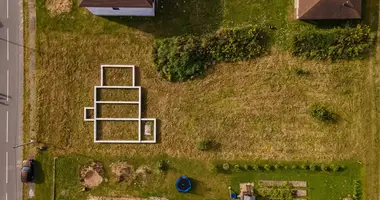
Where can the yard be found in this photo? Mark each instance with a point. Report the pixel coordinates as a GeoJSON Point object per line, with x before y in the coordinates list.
{"type": "Point", "coordinates": [254, 110]}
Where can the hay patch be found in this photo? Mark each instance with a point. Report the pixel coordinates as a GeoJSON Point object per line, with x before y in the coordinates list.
{"type": "Point", "coordinates": [123, 172]}
{"type": "Point", "coordinates": [57, 7]}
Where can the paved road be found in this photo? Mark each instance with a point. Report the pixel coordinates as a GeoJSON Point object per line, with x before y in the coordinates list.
{"type": "Point", "coordinates": [11, 80]}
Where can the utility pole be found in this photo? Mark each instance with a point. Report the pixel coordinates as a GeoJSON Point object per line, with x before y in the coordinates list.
{"type": "Point", "coordinates": [31, 142]}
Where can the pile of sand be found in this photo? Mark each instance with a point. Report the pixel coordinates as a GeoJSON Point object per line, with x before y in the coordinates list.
{"type": "Point", "coordinates": [90, 175]}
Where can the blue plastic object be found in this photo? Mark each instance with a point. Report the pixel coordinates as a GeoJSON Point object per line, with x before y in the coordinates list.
{"type": "Point", "coordinates": [183, 184]}
{"type": "Point", "coordinates": [233, 196]}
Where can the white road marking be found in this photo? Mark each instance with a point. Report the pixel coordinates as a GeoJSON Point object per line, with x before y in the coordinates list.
{"type": "Point", "coordinates": [6, 196]}
{"type": "Point", "coordinates": [7, 128]}
{"type": "Point", "coordinates": [7, 43]}
{"type": "Point", "coordinates": [7, 9]}
{"type": "Point", "coordinates": [7, 85]}
{"type": "Point", "coordinates": [6, 167]}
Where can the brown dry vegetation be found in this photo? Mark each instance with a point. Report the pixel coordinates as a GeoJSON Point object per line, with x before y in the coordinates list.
{"type": "Point", "coordinates": [56, 7]}
{"type": "Point", "coordinates": [260, 104]}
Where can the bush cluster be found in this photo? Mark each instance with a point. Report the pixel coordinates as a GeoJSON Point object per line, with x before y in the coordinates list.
{"type": "Point", "coordinates": [204, 145]}
{"type": "Point", "coordinates": [321, 113]}
{"type": "Point", "coordinates": [162, 165]}
{"type": "Point", "coordinates": [235, 44]}
{"type": "Point", "coordinates": [338, 43]}
{"type": "Point", "coordinates": [179, 58]}
{"type": "Point", "coordinates": [185, 57]}
{"type": "Point", "coordinates": [269, 167]}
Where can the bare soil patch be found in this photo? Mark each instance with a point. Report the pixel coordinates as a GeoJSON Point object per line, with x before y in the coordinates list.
{"type": "Point", "coordinates": [57, 7]}
{"type": "Point", "coordinates": [122, 171]}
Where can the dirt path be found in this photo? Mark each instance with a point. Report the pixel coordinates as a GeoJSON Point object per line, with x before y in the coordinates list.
{"type": "Point", "coordinates": [31, 65]}
{"type": "Point", "coordinates": [30, 84]}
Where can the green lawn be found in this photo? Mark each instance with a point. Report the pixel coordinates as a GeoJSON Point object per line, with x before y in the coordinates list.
{"type": "Point", "coordinates": [253, 110]}
{"type": "Point", "coordinates": [207, 184]}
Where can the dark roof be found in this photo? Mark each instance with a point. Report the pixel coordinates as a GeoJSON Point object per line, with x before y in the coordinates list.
{"type": "Point", "coordinates": [328, 9]}
{"type": "Point", "coordinates": [116, 3]}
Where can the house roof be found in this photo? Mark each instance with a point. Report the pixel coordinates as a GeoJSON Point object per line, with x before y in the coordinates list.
{"type": "Point", "coordinates": [328, 9]}
{"type": "Point", "coordinates": [116, 3]}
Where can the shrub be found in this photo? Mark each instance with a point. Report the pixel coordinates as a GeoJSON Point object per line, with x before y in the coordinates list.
{"type": "Point", "coordinates": [324, 168]}
{"type": "Point", "coordinates": [204, 145]}
{"type": "Point", "coordinates": [185, 57]}
{"type": "Point", "coordinates": [286, 167]}
{"type": "Point", "coordinates": [247, 167]}
{"type": "Point", "coordinates": [162, 165]}
{"type": "Point", "coordinates": [339, 43]}
{"type": "Point", "coordinates": [215, 168]}
{"type": "Point", "coordinates": [312, 167]}
{"type": "Point", "coordinates": [334, 167]}
{"type": "Point", "coordinates": [226, 166]}
{"type": "Point", "coordinates": [267, 167]}
{"type": "Point", "coordinates": [321, 113]}
{"type": "Point", "coordinates": [255, 167]}
{"type": "Point", "coordinates": [178, 58]}
{"type": "Point", "coordinates": [357, 194]}
{"type": "Point", "coordinates": [277, 166]}
{"type": "Point", "coordinates": [237, 167]}
{"type": "Point", "coordinates": [304, 166]}
{"type": "Point", "coordinates": [236, 44]}
{"type": "Point", "coordinates": [300, 71]}
{"type": "Point", "coordinates": [294, 166]}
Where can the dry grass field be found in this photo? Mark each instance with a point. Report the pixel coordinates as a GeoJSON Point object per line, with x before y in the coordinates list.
{"type": "Point", "coordinates": [252, 110]}
{"type": "Point", "coordinates": [262, 104]}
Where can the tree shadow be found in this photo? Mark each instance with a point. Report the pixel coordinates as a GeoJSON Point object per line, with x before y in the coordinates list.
{"type": "Point", "coordinates": [196, 186]}
{"type": "Point", "coordinates": [329, 24]}
{"type": "Point", "coordinates": [158, 129]}
{"type": "Point", "coordinates": [39, 174]}
{"type": "Point", "coordinates": [173, 18]}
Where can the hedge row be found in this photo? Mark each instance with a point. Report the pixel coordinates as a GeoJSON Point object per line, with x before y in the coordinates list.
{"type": "Point", "coordinates": [185, 57]}
{"type": "Point", "coordinates": [339, 43]}
{"type": "Point", "coordinates": [357, 195]}
{"type": "Point", "coordinates": [269, 167]}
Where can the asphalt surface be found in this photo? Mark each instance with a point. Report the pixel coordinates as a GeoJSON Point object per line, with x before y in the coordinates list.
{"type": "Point", "coordinates": [11, 81]}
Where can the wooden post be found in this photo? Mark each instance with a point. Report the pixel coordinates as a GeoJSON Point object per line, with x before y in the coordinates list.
{"type": "Point", "coordinates": [54, 179]}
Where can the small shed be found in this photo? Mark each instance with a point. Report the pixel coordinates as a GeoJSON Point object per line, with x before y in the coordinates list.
{"type": "Point", "coordinates": [119, 7]}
